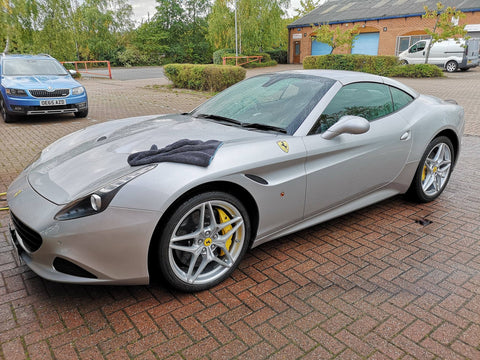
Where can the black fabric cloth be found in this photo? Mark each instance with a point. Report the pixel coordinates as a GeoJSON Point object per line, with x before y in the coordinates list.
{"type": "Point", "coordinates": [185, 151]}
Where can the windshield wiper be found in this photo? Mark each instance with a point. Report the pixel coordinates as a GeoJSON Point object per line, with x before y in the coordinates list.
{"type": "Point", "coordinates": [218, 117]}
{"type": "Point", "coordinates": [264, 127]}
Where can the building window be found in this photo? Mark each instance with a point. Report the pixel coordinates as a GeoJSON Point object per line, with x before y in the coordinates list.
{"type": "Point", "coordinates": [404, 42]}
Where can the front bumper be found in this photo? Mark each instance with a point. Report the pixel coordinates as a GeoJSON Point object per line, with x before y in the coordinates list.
{"type": "Point", "coordinates": [108, 248]}
{"type": "Point", "coordinates": [31, 106]}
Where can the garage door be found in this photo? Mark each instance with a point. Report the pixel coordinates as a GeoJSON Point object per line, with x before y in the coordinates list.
{"type": "Point", "coordinates": [319, 48]}
{"type": "Point", "coordinates": [366, 44]}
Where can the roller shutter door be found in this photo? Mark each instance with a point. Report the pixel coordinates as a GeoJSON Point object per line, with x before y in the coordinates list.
{"type": "Point", "coordinates": [366, 44]}
{"type": "Point", "coordinates": [319, 48]}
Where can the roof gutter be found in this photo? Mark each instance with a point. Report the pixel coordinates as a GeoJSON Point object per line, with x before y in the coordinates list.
{"type": "Point", "coordinates": [291, 26]}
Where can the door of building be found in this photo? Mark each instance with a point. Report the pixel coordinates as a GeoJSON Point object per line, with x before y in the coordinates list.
{"type": "Point", "coordinates": [296, 52]}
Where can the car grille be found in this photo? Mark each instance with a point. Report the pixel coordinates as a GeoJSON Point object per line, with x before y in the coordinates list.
{"type": "Point", "coordinates": [30, 238]}
{"type": "Point", "coordinates": [49, 94]}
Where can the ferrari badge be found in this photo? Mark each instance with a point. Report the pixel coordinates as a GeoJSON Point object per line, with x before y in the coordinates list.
{"type": "Point", "coordinates": [283, 145]}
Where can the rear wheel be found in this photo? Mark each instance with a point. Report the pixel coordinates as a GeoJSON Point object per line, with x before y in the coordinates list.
{"type": "Point", "coordinates": [433, 171]}
{"type": "Point", "coordinates": [404, 62]}
{"type": "Point", "coordinates": [451, 66]}
{"type": "Point", "coordinates": [203, 241]}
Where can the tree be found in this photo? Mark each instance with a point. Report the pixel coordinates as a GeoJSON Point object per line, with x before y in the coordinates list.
{"type": "Point", "coordinates": [444, 22]}
{"type": "Point", "coordinates": [335, 37]}
{"type": "Point", "coordinates": [306, 6]}
{"type": "Point", "coordinates": [260, 24]}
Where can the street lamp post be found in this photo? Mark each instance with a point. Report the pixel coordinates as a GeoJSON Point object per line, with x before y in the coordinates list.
{"type": "Point", "coordinates": [236, 31]}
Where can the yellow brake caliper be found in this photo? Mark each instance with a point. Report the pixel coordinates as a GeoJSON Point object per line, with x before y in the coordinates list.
{"type": "Point", "coordinates": [223, 219]}
{"type": "Point", "coordinates": [424, 173]}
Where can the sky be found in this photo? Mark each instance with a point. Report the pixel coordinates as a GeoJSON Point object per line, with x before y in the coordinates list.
{"type": "Point", "coordinates": [142, 8]}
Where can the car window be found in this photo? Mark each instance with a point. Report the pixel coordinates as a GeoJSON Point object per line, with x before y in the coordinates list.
{"type": "Point", "coordinates": [400, 98]}
{"type": "Point", "coordinates": [418, 47]}
{"type": "Point", "coordinates": [367, 100]}
{"type": "Point", "coordinates": [278, 100]}
{"type": "Point", "coordinates": [22, 67]}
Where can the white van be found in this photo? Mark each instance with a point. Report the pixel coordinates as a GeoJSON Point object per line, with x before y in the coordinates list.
{"type": "Point", "coordinates": [451, 54]}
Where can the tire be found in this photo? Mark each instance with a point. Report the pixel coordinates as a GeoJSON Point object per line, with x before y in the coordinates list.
{"type": "Point", "coordinates": [451, 66]}
{"type": "Point", "coordinates": [403, 62]}
{"type": "Point", "coordinates": [194, 255]}
{"type": "Point", "coordinates": [434, 170]}
{"type": "Point", "coordinates": [81, 114]}
{"type": "Point", "coordinates": [7, 117]}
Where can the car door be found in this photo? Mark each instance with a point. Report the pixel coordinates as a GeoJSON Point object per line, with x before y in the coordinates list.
{"type": "Point", "coordinates": [348, 166]}
{"type": "Point", "coordinates": [416, 54]}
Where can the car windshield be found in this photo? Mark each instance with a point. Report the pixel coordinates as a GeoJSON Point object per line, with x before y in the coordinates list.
{"type": "Point", "coordinates": [275, 102]}
{"type": "Point", "coordinates": [21, 67]}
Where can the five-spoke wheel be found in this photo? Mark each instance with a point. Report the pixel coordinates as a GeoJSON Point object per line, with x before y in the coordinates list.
{"type": "Point", "coordinates": [434, 170]}
{"type": "Point", "coordinates": [203, 241]}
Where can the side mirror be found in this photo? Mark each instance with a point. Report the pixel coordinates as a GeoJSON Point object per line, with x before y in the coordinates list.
{"type": "Point", "coordinates": [72, 72]}
{"type": "Point", "coordinates": [347, 124]}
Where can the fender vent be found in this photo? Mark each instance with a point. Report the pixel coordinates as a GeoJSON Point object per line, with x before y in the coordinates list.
{"type": "Point", "coordinates": [257, 179]}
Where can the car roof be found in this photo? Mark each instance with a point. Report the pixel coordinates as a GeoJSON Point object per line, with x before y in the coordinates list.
{"type": "Point", "coordinates": [349, 77]}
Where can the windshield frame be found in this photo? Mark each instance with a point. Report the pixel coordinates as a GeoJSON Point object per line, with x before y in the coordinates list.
{"type": "Point", "coordinates": [294, 95]}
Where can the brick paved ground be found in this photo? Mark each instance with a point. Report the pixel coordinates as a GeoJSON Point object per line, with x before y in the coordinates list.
{"type": "Point", "coordinates": [373, 284]}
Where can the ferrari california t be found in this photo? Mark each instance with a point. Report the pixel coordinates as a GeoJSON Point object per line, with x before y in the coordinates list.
{"type": "Point", "coordinates": [182, 197]}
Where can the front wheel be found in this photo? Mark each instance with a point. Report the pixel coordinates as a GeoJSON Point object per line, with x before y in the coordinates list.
{"type": "Point", "coordinates": [433, 171]}
{"type": "Point", "coordinates": [451, 66]}
{"type": "Point", "coordinates": [203, 241]}
{"type": "Point", "coordinates": [7, 117]}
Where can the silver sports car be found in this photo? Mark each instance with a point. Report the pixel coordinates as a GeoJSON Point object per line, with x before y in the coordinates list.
{"type": "Point", "coordinates": [182, 197]}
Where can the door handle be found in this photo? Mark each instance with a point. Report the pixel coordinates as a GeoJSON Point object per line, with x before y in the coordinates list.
{"type": "Point", "coordinates": [405, 136]}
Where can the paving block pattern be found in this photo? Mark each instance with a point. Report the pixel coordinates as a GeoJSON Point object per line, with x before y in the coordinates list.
{"type": "Point", "coordinates": [392, 281]}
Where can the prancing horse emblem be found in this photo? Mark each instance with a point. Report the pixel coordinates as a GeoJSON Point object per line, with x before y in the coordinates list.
{"type": "Point", "coordinates": [283, 145]}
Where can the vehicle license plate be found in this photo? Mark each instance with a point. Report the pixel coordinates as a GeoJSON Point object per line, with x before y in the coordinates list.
{"type": "Point", "coordinates": [53, 102]}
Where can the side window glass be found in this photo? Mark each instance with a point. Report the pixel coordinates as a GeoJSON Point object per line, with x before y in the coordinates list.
{"type": "Point", "coordinates": [367, 100]}
{"type": "Point", "coordinates": [400, 98]}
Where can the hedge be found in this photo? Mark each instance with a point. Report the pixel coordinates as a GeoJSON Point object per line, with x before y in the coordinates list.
{"type": "Point", "coordinates": [203, 77]}
{"type": "Point", "coordinates": [416, 71]}
{"type": "Point", "coordinates": [379, 65]}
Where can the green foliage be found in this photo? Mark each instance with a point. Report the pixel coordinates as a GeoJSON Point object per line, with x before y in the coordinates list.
{"type": "Point", "coordinates": [279, 55]}
{"type": "Point", "coordinates": [416, 71]}
{"type": "Point", "coordinates": [372, 64]}
{"type": "Point", "coordinates": [219, 54]}
{"type": "Point", "coordinates": [444, 27]}
{"type": "Point", "coordinates": [259, 22]}
{"type": "Point", "coordinates": [379, 65]}
{"type": "Point", "coordinates": [260, 65]}
{"type": "Point", "coordinates": [306, 6]}
{"type": "Point", "coordinates": [336, 37]}
{"type": "Point", "coordinates": [203, 77]}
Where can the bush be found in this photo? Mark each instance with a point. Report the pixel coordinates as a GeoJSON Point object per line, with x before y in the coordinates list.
{"type": "Point", "coordinates": [279, 55]}
{"type": "Point", "coordinates": [260, 65]}
{"type": "Point", "coordinates": [379, 65]}
{"type": "Point", "coordinates": [203, 77]}
{"type": "Point", "coordinates": [219, 54]}
{"type": "Point", "coordinates": [416, 71]}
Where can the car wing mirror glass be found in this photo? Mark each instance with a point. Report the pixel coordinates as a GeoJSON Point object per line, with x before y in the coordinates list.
{"type": "Point", "coordinates": [347, 124]}
{"type": "Point", "coordinates": [72, 72]}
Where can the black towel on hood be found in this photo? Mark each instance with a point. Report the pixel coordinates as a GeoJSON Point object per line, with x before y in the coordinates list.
{"type": "Point", "coordinates": [185, 151]}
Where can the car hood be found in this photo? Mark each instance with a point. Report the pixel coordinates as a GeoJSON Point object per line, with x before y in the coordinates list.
{"type": "Point", "coordinates": [90, 158]}
{"type": "Point", "coordinates": [39, 82]}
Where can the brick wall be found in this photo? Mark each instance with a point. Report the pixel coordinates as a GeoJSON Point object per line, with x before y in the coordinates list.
{"type": "Point", "coordinates": [389, 30]}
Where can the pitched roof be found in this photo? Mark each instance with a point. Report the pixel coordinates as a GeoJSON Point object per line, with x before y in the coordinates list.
{"type": "Point", "coordinates": [340, 11]}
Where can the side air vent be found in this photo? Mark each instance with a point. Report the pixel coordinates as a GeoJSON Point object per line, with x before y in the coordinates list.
{"type": "Point", "coordinates": [69, 268]}
{"type": "Point", "coordinates": [257, 179]}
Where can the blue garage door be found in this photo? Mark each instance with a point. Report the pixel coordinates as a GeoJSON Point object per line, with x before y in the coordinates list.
{"type": "Point", "coordinates": [319, 48]}
{"type": "Point", "coordinates": [366, 44]}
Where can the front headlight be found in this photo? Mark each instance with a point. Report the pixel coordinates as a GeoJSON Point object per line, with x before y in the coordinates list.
{"type": "Point", "coordinates": [78, 90]}
{"type": "Point", "coordinates": [99, 200]}
{"type": "Point", "coordinates": [16, 92]}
